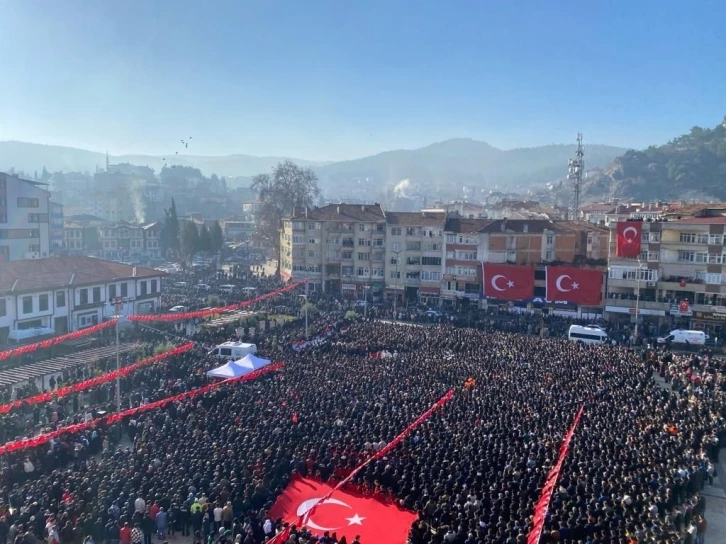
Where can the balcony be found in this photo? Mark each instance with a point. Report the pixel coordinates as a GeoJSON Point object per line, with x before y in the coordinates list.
{"type": "Point", "coordinates": [643, 304]}
{"type": "Point", "coordinates": [348, 243]}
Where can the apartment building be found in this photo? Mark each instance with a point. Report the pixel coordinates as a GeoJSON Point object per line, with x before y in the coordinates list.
{"type": "Point", "coordinates": [56, 227]}
{"type": "Point", "coordinates": [680, 275]}
{"type": "Point", "coordinates": [470, 242]}
{"type": "Point", "coordinates": [57, 295]}
{"type": "Point", "coordinates": [121, 240]}
{"type": "Point", "coordinates": [414, 245]}
{"type": "Point", "coordinates": [338, 248]}
{"type": "Point", "coordinates": [24, 219]}
{"type": "Point", "coordinates": [152, 240]}
{"type": "Point", "coordinates": [80, 235]}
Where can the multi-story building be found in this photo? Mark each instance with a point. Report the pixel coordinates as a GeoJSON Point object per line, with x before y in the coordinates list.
{"type": "Point", "coordinates": [414, 244]}
{"type": "Point", "coordinates": [339, 248]}
{"type": "Point", "coordinates": [681, 261]}
{"type": "Point", "coordinates": [470, 242]}
{"type": "Point", "coordinates": [57, 295]}
{"type": "Point", "coordinates": [122, 240]}
{"type": "Point", "coordinates": [56, 227]}
{"type": "Point", "coordinates": [24, 219]}
{"type": "Point", "coordinates": [81, 235]}
{"type": "Point", "coordinates": [152, 240]}
{"type": "Point", "coordinates": [236, 228]}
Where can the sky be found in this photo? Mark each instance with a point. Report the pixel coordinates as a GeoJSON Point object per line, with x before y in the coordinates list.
{"type": "Point", "coordinates": [331, 80]}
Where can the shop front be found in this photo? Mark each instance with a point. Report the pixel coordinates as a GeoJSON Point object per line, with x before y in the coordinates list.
{"type": "Point", "coordinates": [713, 323]}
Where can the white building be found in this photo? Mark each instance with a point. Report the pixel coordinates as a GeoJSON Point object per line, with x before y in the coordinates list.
{"type": "Point", "coordinates": [64, 294]}
{"type": "Point", "coordinates": [24, 219]}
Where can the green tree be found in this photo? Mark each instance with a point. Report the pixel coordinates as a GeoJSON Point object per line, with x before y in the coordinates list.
{"type": "Point", "coordinates": [286, 189]}
{"type": "Point", "coordinates": [169, 239]}
{"type": "Point", "coordinates": [205, 240]}
{"type": "Point", "coordinates": [189, 240]}
{"type": "Point", "coordinates": [217, 237]}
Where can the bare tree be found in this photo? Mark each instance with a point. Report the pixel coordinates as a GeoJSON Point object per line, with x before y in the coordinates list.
{"type": "Point", "coordinates": [286, 189]}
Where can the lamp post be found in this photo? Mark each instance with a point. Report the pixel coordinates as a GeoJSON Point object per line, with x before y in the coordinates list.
{"type": "Point", "coordinates": [637, 303]}
{"type": "Point", "coordinates": [118, 304]}
{"type": "Point", "coordinates": [365, 301]}
{"type": "Point", "coordinates": [305, 297]}
{"type": "Point", "coordinates": [395, 291]}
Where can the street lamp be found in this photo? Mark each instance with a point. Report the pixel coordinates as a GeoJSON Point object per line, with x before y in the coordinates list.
{"type": "Point", "coordinates": [365, 301]}
{"type": "Point", "coordinates": [395, 292]}
{"type": "Point", "coordinates": [118, 304]}
{"type": "Point", "coordinates": [637, 303]}
{"type": "Point", "coordinates": [305, 297]}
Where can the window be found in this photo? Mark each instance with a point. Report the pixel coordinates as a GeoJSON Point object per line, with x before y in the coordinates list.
{"type": "Point", "coordinates": [396, 246]}
{"type": "Point", "coordinates": [3, 307]}
{"type": "Point", "coordinates": [60, 299]}
{"type": "Point", "coordinates": [431, 261]}
{"type": "Point", "coordinates": [654, 237]}
{"type": "Point", "coordinates": [25, 202]}
{"type": "Point", "coordinates": [361, 227]}
{"type": "Point", "coordinates": [364, 256]}
{"type": "Point", "coordinates": [413, 261]}
{"type": "Point", "coordinates": [312, 241]}
{"type": "Point", "coordinates": [111, 292]}
{"type": "Point", "coordinates": [363, 242]}
{"type": "Point", "coordinates": [298, 239]}
{"type": "Point", "coordinates": [377, 272]}
{"type": "Point", "coordinates": [43, 303]}
{"type": "Point", "coordinates": [346, 271]}
{"type": "Point", "coordinates": [83, 294]}
{"type": "Point", "coordinates": [154, 286]}
{"type": "Point", "coordinates": [124, 289]}
{"type": "Point", "coordinates": [395, 231]}
{"type": "Point", "coordinates": [27, 305]}
{"type": "Point", "coordinates": [430, 276]}
{"type": "Point", "coordinates": [34, 233]}
{"type": "Point", "coordinates": [33, 218]}
{"type": "Point", "coordinates": [431, 246]}
{"type": "Point", "coordinates": [363, 272]}
{"type": "Point", "coordinates": [715, 239]}
{"type": "Point", "coordinates": [712, 278]}
{"type": "Point", "coordinates": [378, 257]}
{"type": "Point", "coordinates": [144, 288]}
{"type": "Point", "coordinates": [413, 246]}
{"type": "Point", "coordinates": [394, 260]}
{"type": "Point", "coordinates": [312, 254]}
{"type": "Point", "coordinates": [96, 294]}
{"type": "Point", "coordinates": [550, 239]}
{"type": "Point", "coordinates": [34, 248]}
{"type": "Point", "coordinates": [346, 254]}
{"type": "Point", "coordinates": [451, 238]}
{"type": "Point", "coordinates": [395, 274]}
{"type": "Point", "coordinates": [298, 225]}
{"type": "Point", "coordinates": [412, 231]}
{"type": "Point", "coordinates": [378, 242]}
{"type": "Point", "coordinates": [549, 255]}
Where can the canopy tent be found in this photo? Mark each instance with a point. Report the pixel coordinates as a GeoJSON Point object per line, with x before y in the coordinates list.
{"type": "Point", "coordinates": [234, 369]}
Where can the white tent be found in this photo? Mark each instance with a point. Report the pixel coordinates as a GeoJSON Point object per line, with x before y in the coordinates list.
{"type": "Point", "coordinates": [234, 369]}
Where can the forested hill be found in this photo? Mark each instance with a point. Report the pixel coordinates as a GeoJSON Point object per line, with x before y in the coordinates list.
{"type": "Point", "coordinates": [692, 166]}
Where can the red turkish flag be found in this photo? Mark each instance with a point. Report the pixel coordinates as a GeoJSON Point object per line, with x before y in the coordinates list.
{"type": "Point", "coordinates": [342, 513]}
{"type": "Point", "coordinates": [575, 285]}
{"type": "Point", "coordinates": [627, 243]}
{"type": "Point", "coordinates": [508, 282]}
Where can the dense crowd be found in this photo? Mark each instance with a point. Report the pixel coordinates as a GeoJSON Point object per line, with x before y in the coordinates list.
{"type": "Point", "coordinates": [212, 466]}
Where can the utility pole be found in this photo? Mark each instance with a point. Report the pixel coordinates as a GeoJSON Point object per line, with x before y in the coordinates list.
{"type": "Point", "coordinates": [576, 169]}
{"type": "Point", "coordinates": [395, 292]}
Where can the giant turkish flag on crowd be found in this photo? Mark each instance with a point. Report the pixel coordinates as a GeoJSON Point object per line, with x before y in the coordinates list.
{"type": "Point", "coordinates": [575, 285]}
{"type": "Point", "coordinates": [343, 513]}
{"type": "Point", "coordinates": [627, 243]}
{"type": "Point", "coordinates": [508, 282]}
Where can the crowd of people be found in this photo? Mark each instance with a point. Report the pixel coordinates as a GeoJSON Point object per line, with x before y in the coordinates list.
{"type": "Point", "coordinates": [210, 467]}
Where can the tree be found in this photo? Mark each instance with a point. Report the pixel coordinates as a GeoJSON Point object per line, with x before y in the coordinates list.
{"type": "Point", "coordinates": [189, 240]}
{"type": "Point", "coordinates": [217, 237]}
{"type": "Point", "coordinates": [169, 239]}
{"type": "Point", "coordinates": [286, 190]}
{"type": "Point", "coordinates": [205, 240]}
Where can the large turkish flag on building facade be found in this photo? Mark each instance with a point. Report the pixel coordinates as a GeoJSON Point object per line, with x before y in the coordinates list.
{"type": "Point", "coordinates": [575, 285]}
{"type": "Point", "coordinates": [627, 243]}
{"type": "Point", "coordinates": [342, 513]}
{"type": "Point", "coordinates": [508, 282]}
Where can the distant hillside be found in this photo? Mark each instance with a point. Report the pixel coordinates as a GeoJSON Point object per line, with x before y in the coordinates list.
{"type": "Point", "coordinates": [457, 161]}
{"type": "Point", "coordinates": [461, 161]}
{"type": "Point", "coordinates": [692, 166]}
{"type": "Point", "coordinates": [29, 157]}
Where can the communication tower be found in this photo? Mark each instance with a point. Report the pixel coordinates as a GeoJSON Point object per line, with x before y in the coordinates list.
{"type": "Point", "coordinates": [574, 176]}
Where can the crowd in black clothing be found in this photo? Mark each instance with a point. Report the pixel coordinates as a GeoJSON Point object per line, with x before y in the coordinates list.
{"type": "Point", "coordinates": [473, 471]}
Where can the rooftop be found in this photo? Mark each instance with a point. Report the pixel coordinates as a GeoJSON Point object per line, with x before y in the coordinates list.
{"type": "Point", "coordinates": [54, 272]}
{"type": "Point", "coordinates": [713, 220]}
{"type": "Point", "coordinates": [416, 219]}
{"type": "Point", "coordinates": [361, 213]}
{"type": "Point", "coordinates": [462, 225]}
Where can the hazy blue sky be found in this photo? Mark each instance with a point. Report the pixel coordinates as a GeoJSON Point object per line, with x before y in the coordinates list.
{"type": "Point", "coordinates": [338, 79]}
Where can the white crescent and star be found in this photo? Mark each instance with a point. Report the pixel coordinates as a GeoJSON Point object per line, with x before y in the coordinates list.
{"type": "Point", "coordinates": [625, 234]}
{"type": "Point", "coordinates": [305, 507]}
{"type": "Point", "coordinates": [496, 278]}
{"type": "Point", "coordinates": [559, 286]}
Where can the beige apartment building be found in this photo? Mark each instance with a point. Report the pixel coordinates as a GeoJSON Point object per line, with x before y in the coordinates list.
{"type": "Point", "coordinates": [339, 248]}
{"type": "Point", "coordinates": [680, 260]}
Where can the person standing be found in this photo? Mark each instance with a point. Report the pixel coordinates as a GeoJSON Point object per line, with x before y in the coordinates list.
{"type": "Point", "coordinates": [701, 526]}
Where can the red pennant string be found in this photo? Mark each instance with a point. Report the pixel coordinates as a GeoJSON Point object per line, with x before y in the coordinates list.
{"type": "Point", "coordinates": [281, 537]}
{"type": "Point", "coordinates": [93, 382]}
{"type": "Point", "coordinates": [46, 437]}
{"type": "Point", "coordinates": [543, 504]}
{"type": "Point", "coordinates": [22, 350]}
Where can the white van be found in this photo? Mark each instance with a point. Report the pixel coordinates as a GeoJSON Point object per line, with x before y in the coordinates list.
{"type": "Point", "coordinates": [227, 288]}
{"type": "Point", "coordinates": [587, 335]}
{"type": "Point", "coordinates": [233, 350]}
{"type": "Point", "coordinates": [681, 336]}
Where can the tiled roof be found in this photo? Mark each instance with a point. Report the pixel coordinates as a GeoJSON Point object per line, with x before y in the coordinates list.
{"type": "Point", "coordinates": [597, 208]}
{"type": "Point", "coordinates": [462, 225]}
{"type": "Point", "coordinates": [519, 225]}
{"type": "Point", "coordinates": [38, 274]}
{"type": "Point", "coordinates": [714, 220]}
{"type": "Point", "coordinates": [416, 219]}
{"type": "Point", "coordinates": [344, 212]}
